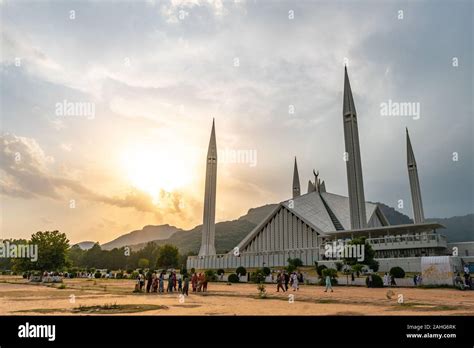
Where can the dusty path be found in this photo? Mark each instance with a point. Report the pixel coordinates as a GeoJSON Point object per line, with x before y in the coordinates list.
{"type": "Point", "coordinates": [17, 297]}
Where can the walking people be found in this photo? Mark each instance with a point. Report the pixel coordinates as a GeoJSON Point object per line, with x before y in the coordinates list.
{"type": "Point", "coordinates": [419, 279]}
{"type": "Point", "coordinates": [194, 281]}
{"type": "Point", "coordinates": [280, 279]}
{"type": "Point", "coordinates": [200, 281]}
{"type": "Point", "coordinates": [328, 284]}
{"type": "Point", "coordinates": [170, 283]}
{"type": "Point", "coordinates": [174, 281]}
{"type": "Point", "coordinates": [180, 283]}
{"type": "Point", "coordinates": [415, 278]}
{"type": "Point", "coordinates": [287, 280]}
{"type": "Point", "coordinates": [154, 283]}
{"type": "Point", "coordinates": [161, 282]}
{"type": "Point", "coordinates": [392, 281]}
{"type": "Point", "coordinates": [149, 279]}
{"type": "Point", "coordinates": [294, 282]}
{"type": "Point", "coordinates": [186, 285]}
{"type": "Point", "coordinates": [385, 279]}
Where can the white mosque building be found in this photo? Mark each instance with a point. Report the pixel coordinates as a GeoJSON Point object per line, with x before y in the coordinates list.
{"type": "Point", "coordinates": [300, 227]}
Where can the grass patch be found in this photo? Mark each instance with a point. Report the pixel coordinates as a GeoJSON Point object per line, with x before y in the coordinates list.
{"type": "Point", "coordinates": [117, 309]}
{"type": "Point", "coordinates": [324, 300]}
{"type": "Point", "coordinates": [422, 307]}
{"type": "Point", "coordinates": [42, 310]}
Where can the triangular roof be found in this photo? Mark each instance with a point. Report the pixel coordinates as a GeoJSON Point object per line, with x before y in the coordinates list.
{"type": "Point", "coordinates": [311, 209]}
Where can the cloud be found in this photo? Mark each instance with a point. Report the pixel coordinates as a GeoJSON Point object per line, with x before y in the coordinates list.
{"type": "Point", "coordinates": [25, 173]}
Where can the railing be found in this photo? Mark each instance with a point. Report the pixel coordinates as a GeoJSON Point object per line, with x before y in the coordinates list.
{"type": "Point", "coordinates": [408, 241]}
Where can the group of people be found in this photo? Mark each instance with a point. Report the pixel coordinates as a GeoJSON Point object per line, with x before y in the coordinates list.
{"type": "Point", "coordinates": [467, 283]}
{"type": "Point", "coordinates": [153, 282]}
{"type": "Point", "coordinates": [417, 279]}
{"type": "Point", "coordinates": [388, 280]}
{"type": "Point", "coordinates": [284, 279]}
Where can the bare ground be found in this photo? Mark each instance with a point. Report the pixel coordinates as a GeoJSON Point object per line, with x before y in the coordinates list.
{"type": "Point", "coordinates": [107, 296]}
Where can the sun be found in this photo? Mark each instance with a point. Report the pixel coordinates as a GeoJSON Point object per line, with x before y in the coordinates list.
{"type": "Point", "coordinates": [152, 169]}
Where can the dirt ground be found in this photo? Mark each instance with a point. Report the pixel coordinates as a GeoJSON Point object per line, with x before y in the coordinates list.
{"type": "Point", "coordinates": [110, 296]}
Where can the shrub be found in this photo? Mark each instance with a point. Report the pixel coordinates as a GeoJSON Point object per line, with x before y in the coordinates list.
{"type": "Point", "coordinates": [377, 282]}
{"type": "Point", "coordinates": [331, 272]}
{"type": "Point", "coordinates": [241, 270]}
{"type": "Point", "coordinates": [119, 275]}
{"type": "Point", "coordinates": [374, 265]}
{"type": "Point", "coordinates": [293, 264]}
{"type": "Point", "coordinates": [220, 271]}
{"type": "Point", "coordinates": [257, 276]}
{"type": "Point", "coordinates": [210, 275]}
{"type": "Point", "coordinates": [97, 275]}
{"type": "Point", "coordinates": [339, 266]}
{"type": "Point", "coordinates": [320, 269]}
{"type": "Point", "coordinates": [233, 278]}
{"type": "Point", "coordinates": [397, 272]}
{"type": "Point", "coordinates": [266, 271]}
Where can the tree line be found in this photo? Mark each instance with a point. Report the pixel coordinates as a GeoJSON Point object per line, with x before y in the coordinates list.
{"type": "Point", "coordinates": [55, 254]}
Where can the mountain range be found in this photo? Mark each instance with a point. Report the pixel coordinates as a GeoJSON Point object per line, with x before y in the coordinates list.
{"type": "Point", "coordinates": [230, 233]}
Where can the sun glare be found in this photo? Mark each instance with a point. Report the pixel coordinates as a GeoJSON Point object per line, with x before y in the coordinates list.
{"type": "Point", "coordinates": [152, 169]}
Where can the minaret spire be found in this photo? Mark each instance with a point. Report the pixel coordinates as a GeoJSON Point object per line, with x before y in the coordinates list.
{"type": "Point", "coordinates": [418, 215]}
{"type": "Point", "coordinates": [355, 181]}
{"type": "Point", "coordinates": [209, 215]}
{"type": "Point", "coordinates": [296, 181]}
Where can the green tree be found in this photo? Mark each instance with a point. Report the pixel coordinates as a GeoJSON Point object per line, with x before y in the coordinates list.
{"type": "Point", "coordinates": [320, 269]}
{"type": "Point", "coordinates": [167, 257]}
{"type": "Point", "coordinates": [331, 272]}
{"type": "Point", "coordinates": [369, 254]}
{"type": "Point", "coordinates": [143, 263]}
{"type": "Point", "coordinates": [357, 268]}
{"type": "Point", "coordinates": [52, 251]}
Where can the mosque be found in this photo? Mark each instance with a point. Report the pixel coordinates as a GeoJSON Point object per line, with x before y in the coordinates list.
{"type": "Point", "coordinates": [302, 226]}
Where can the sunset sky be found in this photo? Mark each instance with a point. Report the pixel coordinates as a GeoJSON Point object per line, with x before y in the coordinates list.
{"type": "Point", "coordinates": [158, 72]}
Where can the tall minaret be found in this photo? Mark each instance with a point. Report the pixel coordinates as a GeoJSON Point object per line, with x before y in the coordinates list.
{"type": "Point", "coordinates": [418, 215]}
{"type": "Point", "coordinates": [208, 224]}
{"type": "Point", "coordinates": [355, 182]}
{"type": "Point", "coordinates": [296, 181]}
